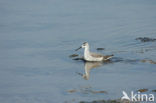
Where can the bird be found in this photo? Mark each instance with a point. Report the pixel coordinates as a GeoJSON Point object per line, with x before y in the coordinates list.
{"type": "Point", "coordinates": [93, 57]}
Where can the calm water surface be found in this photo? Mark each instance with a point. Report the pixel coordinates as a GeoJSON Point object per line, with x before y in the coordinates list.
{"type": "Point", "coordinates": [37, 37]}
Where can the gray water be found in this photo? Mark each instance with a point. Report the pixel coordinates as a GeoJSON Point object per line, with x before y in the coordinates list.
{"type": "Point", "coordinates": [37, 37]}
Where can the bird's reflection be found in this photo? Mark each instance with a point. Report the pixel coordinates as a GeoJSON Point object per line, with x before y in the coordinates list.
{"type": "Point", "coordinates": [88, 66]}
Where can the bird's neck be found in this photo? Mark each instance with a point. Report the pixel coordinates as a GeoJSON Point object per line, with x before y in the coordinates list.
{"type": "Point", "coordinates": [86, 51]}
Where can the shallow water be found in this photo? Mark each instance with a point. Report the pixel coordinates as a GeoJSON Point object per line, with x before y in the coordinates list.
{"type": "Point", "coordinates": [37, 37]}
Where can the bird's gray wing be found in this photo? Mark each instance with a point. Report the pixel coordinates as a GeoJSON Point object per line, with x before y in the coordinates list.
{"type": "Point", "coordinates": [96, 55]}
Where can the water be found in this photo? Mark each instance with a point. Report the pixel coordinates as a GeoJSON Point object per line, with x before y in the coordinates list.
{"type": "Point", "coordinates": [36, 38]}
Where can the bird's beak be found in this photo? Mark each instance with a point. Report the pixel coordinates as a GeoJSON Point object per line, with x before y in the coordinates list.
{"type": "Point", "coordinates": [78, 48]}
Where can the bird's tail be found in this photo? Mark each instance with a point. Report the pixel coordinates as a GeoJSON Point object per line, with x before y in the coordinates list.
{"type": "Point", "coordinates": [108, 57]}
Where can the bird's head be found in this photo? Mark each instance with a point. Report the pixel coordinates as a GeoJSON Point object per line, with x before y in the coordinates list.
{"type": "Point", "coordinates": [84, 45]}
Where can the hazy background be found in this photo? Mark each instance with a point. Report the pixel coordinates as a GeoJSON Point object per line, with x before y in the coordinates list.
{"type": "Point", "coordinates": [37, 36]}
